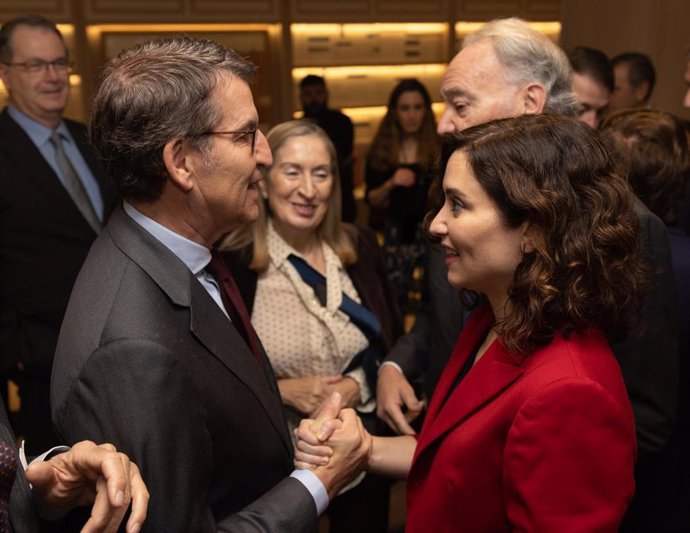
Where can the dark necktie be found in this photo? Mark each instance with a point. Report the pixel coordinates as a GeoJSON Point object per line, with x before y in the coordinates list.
{"type": "Point", "coordinates": [8, 471]}
{"type": "Point", "coordinates": [233, 303]}
{"type": "Point", "coordinates": [74, 185]}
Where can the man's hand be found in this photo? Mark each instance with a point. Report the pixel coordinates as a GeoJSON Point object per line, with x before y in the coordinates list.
{"type": "Point", "coordinates": [392, 392]}
{"type": "Point", "coordinates": [342, 457]}
{"type": "Point", "coordinates": [90, 473]}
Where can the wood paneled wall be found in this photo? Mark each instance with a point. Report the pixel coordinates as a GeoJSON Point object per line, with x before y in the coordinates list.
{"type": "Point", "coordinates": [658, 28]}
{"type": "Point", "coordinates": [88, 55]}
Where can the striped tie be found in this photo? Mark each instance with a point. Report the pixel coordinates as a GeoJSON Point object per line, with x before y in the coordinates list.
{"type": "Point", "coordinates": [73, 184]}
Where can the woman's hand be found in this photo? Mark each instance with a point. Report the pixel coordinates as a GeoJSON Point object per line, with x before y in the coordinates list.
{"type": "Point", "coordinates": [404, 177]}
{"type": "Point", "coordinates": [349, 391]}
{"type": "Point", "coordinates": [306, 394]}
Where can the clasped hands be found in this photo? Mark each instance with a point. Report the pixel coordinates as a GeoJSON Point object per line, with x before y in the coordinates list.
{"type": "Point", "coordinates": [334, 445]}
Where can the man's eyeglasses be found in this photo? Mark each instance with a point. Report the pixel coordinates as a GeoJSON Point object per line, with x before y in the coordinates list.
{"type": "Point", "coordinates": [38, 66]}
{"type": "Point", "coordinates": [248, 135]}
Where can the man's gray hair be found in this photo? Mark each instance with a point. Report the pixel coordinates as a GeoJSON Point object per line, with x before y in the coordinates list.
{"type": "Point", "coordinates": [527, 56]}
{"type": "Point", "coordinates": [151, 94]}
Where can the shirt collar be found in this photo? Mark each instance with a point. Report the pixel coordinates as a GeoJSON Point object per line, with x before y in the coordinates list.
{"type": "Point", "coordinates": [192, 254]}
{"type": "Point", "coordinates": [279, 250]}
{"type": "Point", "coordinates": [37, 132]}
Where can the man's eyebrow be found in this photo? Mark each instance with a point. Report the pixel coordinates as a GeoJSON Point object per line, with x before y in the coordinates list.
{"type": "Point", "coordinates": [453, 92]}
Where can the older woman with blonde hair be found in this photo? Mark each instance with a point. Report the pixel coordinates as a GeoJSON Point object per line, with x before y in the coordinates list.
{"type": "Point", "coordinates": [318, 296]}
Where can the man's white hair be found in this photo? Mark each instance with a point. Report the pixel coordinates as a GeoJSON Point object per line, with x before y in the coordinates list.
{"type": "Point", "coordinates": [528, 56]}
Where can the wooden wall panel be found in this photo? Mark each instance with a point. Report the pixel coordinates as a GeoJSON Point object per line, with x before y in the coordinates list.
{"type": "Point", "coordinates": [533, 10]}
{"type": "Point", "coordinates": [480, 10]}
{"type": "Point", "coordinates": [419, 11]}
{"type": "Point", "coordinates": [541, 10]}
{"type": "Point", "coordinates": [369, 10]}
{"type": "Point", "coordinates": [238, 10]}
{"type": "Point", "coordinates": [57, 10]}
{"type": "Point", "coordinates": [133, 10]}
{"type": "Point", "coordinates": [182, 11]}
{"type": "Point", "coordinates": [322, 11]}
{"type": "Point", "coordinates": [659, 29]}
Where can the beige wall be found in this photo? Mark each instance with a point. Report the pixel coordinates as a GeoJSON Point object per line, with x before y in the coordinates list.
{"type": "Point", "coordinates": [658, 28]}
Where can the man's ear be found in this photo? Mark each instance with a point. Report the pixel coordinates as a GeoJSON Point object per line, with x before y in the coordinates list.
{"type": "Point", "coordinates": [176, 157]}
{"type": "Point", "coordinates": [534, 98]}
{"type": "Point", "coordinates": [641, 91]}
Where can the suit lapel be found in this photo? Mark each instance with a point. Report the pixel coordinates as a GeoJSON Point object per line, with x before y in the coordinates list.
{"type": "Point", "coordinates": [27, 156]}
{"type": "Point", "coordinates": [207, 322]}
{"type": "Point", "coordinates": [212, 328]}
{"type": "Point", "coordinates": [37, 171]}
{"type": "Point", "coordinates": [492, 374]}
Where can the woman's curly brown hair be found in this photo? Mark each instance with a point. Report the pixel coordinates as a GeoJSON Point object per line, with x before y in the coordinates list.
{"type": "Point", "coordinates": [560, 177]}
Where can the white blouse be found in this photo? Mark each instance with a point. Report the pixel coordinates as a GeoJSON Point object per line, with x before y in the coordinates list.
{"type": "Point", "coordinates": [301, 337]}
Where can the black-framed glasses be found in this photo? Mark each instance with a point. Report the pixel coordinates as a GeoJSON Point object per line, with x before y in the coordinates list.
{"type": "Point", "coordinates": [38, 66]}
{"type": "Point", "coordinates": [249, 135]}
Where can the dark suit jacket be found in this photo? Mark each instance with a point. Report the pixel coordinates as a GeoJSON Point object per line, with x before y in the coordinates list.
{"type": "Point", "coordinates": [424, 351]}
{"type": "Point", "coordinates": [649, 361]}
{"type": "Point", "coordinates": [146, 360]}
{"type": "Point", "coordinates": [368, 275]}
{"type": "Point", "coordinates": [542, 443]}
{"type": "Point", "coordinates": [44, 240]}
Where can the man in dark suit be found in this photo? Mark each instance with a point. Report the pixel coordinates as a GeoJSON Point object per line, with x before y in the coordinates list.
{"type": "Point", "coordinates": [313, 94]}
{"type": "Point", "coordinates": [47, 222]}
{"type": "Point", "coordinates": [157, 354]}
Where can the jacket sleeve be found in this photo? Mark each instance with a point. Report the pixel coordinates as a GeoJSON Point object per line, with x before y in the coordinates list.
{"type": "Point", "coordinates": [156, 399]}
{"type": "Point", "coordinates": [649, 357]}
{"type": "Point", "coordinates": [569, 460]}
{"type": "Point", "coordinates": [437, 325]}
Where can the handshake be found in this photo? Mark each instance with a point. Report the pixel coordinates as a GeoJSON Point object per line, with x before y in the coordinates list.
{"type": "Point", "coordinates": [334, 445]}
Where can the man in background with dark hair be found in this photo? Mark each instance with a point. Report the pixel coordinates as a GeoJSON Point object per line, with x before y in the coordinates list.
{"type": "Point", "coordinates": [592, 83]}
{"type": "Point", "coordinates": [635, 78]}
{"type": "Point", "coordinates": [313, 94]}
{"type": "Point", "coordinates": [54, 203]}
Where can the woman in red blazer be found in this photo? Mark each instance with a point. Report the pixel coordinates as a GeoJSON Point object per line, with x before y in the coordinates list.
{"type": "Point", "coordinates": [530, 427]}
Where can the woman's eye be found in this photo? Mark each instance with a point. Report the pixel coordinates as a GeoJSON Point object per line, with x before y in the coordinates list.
{"type": "Point", "coordinates": [456, 205]}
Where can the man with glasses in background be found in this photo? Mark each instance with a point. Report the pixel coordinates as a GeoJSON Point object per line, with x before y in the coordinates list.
{"type": "Point", "coordinates": [54, 201]}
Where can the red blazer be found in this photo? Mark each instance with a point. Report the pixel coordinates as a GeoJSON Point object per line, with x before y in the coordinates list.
{"type": "Point", "coordinates": [539, 443]}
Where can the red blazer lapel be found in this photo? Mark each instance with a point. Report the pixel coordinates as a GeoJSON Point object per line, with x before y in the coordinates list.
{"type": "Point", "coordinates": [492, 374]}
